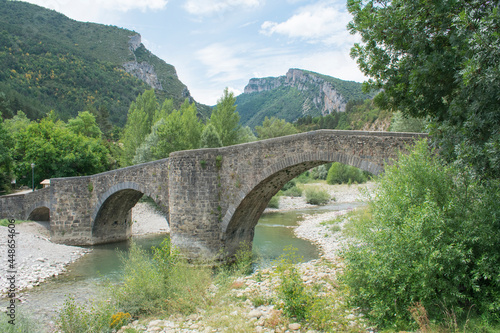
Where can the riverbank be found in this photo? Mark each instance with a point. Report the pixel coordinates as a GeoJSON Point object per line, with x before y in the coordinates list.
{"type": "Point", "coordinates": [37, 259]}
{"type": "Point", "coordinates": [252, 303]}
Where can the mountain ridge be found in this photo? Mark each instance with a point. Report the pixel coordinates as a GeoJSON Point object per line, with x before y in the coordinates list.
{"type": "Point", "coordinates": [296, 94]}
{"type": "Point", "coordinates": [49, 61]}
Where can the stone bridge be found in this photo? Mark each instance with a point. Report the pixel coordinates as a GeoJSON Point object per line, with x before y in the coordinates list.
{"type": "Point", "coordinates": [213, 197]}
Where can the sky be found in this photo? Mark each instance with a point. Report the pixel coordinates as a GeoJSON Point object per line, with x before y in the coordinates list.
{"type": "Point", "coordinates": [215, 44]}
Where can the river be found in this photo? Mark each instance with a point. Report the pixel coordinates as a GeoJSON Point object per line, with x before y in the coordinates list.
{"type": "Point", "coordinates": [273, 233]}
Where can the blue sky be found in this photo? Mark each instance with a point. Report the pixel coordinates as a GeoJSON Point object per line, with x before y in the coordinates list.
{"type": "Point", "coordinates": [215, 44]}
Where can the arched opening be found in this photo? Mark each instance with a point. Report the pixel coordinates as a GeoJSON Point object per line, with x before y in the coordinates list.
{"type": "Point", "coordinates": [113, 221]}
{"type": "Point", "coordinates": [40, 214]}
{"type": "Point", "coordinates": [241, 227]}
{"type": "Point", "coordinates": [149, 218]}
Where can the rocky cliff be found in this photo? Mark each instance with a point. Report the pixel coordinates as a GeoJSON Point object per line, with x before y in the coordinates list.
{"type": "Point", "coordinates": [321, 91]}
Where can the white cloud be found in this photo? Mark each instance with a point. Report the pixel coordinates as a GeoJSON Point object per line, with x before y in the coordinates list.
{"type": "Point", "coordinates": [222, 62]}
{"type": "Point", "coordinates": [98, 10]}
{"type": "Point", "coordinates": [322, 22]}
{"type": "Point", "coordinates": [209, 7]}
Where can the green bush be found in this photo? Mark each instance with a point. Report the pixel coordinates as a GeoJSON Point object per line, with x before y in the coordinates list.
{"type": "Point", "coordinates": [291, 290]}
{"type": "Point", "coordinates": [293, 192]}
{"type": "Point", "coordinates": [316, 196]}
{"type": "Point", "coordinates": [75, 318]}
{"type": "Point", "coordinates": [320, 172]}
{"type": "Point", "coordinates": [433, 239]}
{"type": "Point", "coordinates": [345, 174]}
{"type": "Point", "coordinates": [172, 284]}
{"type": "Point", "coordinates": [274, 202]}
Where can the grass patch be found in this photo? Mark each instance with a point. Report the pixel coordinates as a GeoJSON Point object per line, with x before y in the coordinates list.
{"type": "Point", "coordinates": [5, 222]}
{"type": "Point", "coordinates": [23, 323]}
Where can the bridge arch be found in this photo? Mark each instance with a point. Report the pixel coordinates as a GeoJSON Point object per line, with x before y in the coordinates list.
{"type": "Point", "coordinates": [238, 224]}
{"type": "Point", "coordinates": [111, 218]}
{"type": "Point", "coordinates": [39, 211]}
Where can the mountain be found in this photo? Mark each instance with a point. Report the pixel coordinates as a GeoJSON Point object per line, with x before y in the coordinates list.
{"type": "Point", "coordinates": [50, 62]}
{"type": "Point", "coordinates": [297, 94]}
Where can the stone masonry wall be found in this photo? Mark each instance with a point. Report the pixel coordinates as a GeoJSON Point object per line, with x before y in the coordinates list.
{"type": "Point", "coordinates": [250, 174]}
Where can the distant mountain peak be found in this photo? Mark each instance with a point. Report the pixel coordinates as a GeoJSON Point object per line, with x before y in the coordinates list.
{"type": "Point", "coordinates": [297, 93]}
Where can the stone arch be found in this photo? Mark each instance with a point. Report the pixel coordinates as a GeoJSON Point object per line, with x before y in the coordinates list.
{"type": "Point", "coordinates": [111, 219]}
{"type": "Point", "coordinates": [238, 224]}
{"type": "Point", "coordinates": [39, 211]}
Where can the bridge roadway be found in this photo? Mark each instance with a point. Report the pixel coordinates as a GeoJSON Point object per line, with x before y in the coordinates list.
{"type": "Point", "coordinates": [213, 197]}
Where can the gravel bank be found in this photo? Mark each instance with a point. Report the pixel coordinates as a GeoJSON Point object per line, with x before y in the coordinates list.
{"type": "Point", "coordinates": [38, 259]}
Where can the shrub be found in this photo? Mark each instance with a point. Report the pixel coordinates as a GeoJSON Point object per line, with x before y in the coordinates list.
{"type": "Point", "coordinates": [293, 192]}
{"type": "Point", "coordinates": [345, 174]}
{"type": "Point", "coordinates": [320, 172]}
{"type": "Point", "coordinates": [316, 196]}
{"type": "Point", "coordinates": [432, 239]}
{"type": "Point", "coordinates": [289, 185]}
{"type": "Point", "coordinates": [172, 284]}
{"type": "Point", "coordinates": [274, 202]}
{"type": "Point", "coordinates": [75, 318]}
{"type": "Point", "coordinates": [291, 290]}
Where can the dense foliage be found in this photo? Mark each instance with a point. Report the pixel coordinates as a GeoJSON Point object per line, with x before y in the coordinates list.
{"type": "Point", "coordinates": [359, 115]}
{"type": "Point", "coordinates": [50, 62]}
{"type": "Point", "coordinates": [225, 119]}
{"type": "Point", "coordinates": [340, 173]}
{"type": "Point", "coordinates": [5, 158]}
{"type": "Point", "coordinates": [274, 127]}
{"type": "Point", "coordinates": [437, 59]}
{"type": "Point", "coordinates": [57, 151]}
{"type": "Point", "coordinates": [432, 241]}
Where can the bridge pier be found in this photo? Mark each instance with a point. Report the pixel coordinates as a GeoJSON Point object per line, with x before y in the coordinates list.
{"type": "Point", "coordinates": [195, 203]}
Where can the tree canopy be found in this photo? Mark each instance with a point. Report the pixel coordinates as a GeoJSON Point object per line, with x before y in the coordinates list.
{"type": "Point", "coordinates": [439, 59]}
{"type": "Point", "coordinates": [274, 127]}
{"type": "Point", "coordinates": [56, 151]}
{"type": "Point", "coordinates": [225, 119]}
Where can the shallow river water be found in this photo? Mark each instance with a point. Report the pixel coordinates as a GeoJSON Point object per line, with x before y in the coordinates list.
{"type": "Point", "coordinates": [273, 233]}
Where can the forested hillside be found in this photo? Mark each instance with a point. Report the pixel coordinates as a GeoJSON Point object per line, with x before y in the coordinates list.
{"type": "Point", "coordinates": [297, 94]}
{"type": "Point", "coordinates": [50, 62]}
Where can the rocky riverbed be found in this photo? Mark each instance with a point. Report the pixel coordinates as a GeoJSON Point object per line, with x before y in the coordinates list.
{"type": "Point", "coordinates": [251, 316]}
{"type": "Point", "coordinates": [38, 259]}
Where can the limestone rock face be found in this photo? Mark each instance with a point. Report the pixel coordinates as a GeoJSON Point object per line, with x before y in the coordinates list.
{"type": "Point", "coordinates": [323, 94]}
{"type": "Point", "coordinates": [144, 72]}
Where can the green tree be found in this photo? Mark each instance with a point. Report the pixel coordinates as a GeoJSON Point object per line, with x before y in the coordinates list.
{"type": "Point", "coordinates": [85, 124]}
{"type": "Point", "coordinates": [180, 131]}
{"type": "Point", "coordinates": [210, 138]}
{"type": "Point", "coordinates": [17, 123]}
{"type": "Point", "coordinates": [6, 143]}
{"type": "Point", "coordinates": [438, 59]}
{"type": "Point", "coordinates": [225, 119]}
{"type": "Point", "coordinates": [340, 173]}
{"type": "Point", "coordinates": [432, 238]}
{"type": "Point", "coordinates": [274, 127]}
{"type": "Point", "coordinates": [57, 152]}
{"type": "Point", "coordinates": [245, 134]}
{"type": "Point", "coordinates": [144, 153]}
{"type": "Point", "coordinates": [400, 123]}
{"type": "Point", "coordinates": [139, 121]}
